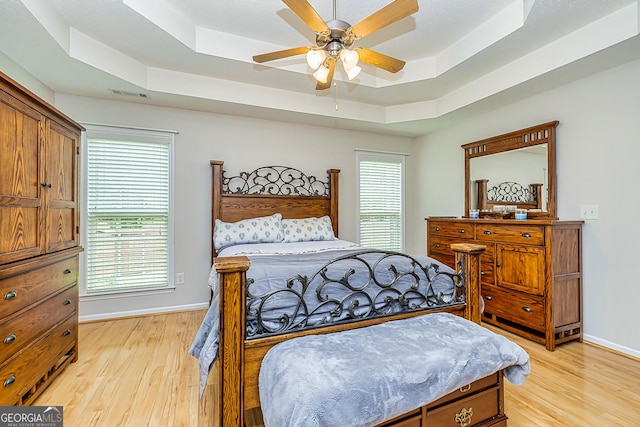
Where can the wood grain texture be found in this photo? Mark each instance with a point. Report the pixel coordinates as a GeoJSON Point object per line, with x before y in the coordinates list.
{"type": "Point", "coordinates": [136, 372]}
{"type": "Point", "coordinates": [541, 134]}
{"type": "Point", "coordinates": [531, 272]}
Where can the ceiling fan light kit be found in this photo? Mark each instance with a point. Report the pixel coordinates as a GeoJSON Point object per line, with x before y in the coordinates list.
{"type": "Point", "coordinates": [335, 37]}
{"type": "Point", "coordinates": [315, 58]}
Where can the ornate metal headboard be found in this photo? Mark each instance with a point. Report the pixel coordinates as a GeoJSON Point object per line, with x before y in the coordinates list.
{"type": "Point", "coordinates": [509, 193]}
{"type": "Point", "coordinates": [275, 180]}
{"type": "Point", "coordinates": [272, 189]}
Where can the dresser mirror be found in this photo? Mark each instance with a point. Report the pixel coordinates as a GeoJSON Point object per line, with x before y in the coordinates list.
{"type": "Point", "coordinates": [512, 171]}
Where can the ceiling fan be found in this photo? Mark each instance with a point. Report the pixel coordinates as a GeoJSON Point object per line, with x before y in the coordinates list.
{"type": "Point", "coordinates": [334, 40]}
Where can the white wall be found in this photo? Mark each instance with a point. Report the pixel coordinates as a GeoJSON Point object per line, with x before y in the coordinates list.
{"type": "Point", "coordinates": [18, 74]}
{"type": "Point", "coordinates": [243, 144]}
{"type": "Point", "coordinates": [598, 151]}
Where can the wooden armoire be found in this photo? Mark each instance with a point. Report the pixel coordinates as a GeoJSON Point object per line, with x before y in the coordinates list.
{"type": "Point", "coordinates": [39, 243]}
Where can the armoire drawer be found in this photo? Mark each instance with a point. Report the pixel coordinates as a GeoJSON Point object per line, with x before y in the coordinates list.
{"type": "Point", "coordinates": [517, 234]}
{"type": "Point", "coordinates": [514, 306]}
{"type": "Point", "coordinates": [20, 375]}
{"type": "Point", "coordinates": [21, 290]}
{"type": "Point", "coordinates": [470, 411]}
{"type": "Point", "coordinates": [21, 330]}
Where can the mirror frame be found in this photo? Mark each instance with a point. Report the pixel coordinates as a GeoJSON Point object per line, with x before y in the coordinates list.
{"type": "Point", "coordinates": [536, 135]}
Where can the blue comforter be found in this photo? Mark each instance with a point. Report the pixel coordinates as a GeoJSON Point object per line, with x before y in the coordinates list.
{"type": "Point", "coordinates": [365, 376]}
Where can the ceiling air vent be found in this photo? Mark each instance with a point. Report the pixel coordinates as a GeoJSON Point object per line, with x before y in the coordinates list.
{"type": "Point", "coordinates": [128, 93]}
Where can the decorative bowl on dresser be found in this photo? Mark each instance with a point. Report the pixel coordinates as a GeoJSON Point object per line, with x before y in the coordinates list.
{"type": "Point", "coordinates": [531, 270]}
{"type": "Point", "coordinates": [39, 243]}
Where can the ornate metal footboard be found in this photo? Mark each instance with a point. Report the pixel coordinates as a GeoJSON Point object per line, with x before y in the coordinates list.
{"type": "Point", "coordinates": [240, 358]}
{"type": "Point", "coordinates": [361, 285]}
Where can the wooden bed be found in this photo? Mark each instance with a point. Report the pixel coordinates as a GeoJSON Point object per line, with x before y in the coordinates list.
{"type": "Point", "coordinates": [235, 387]}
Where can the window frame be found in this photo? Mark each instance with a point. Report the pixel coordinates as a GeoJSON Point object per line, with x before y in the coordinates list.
{"type": "Point", "coordinates": [384, 157]}
{"type": "Point", "coordinates": [110, 132]}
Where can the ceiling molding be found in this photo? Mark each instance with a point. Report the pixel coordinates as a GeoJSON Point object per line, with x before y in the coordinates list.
{"type": "Point", "coordinates": [482, 62]}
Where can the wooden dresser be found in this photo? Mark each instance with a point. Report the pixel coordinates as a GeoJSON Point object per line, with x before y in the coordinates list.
{"type": "Point", "coordinates": [39, 243]}
{"type": "Point", "coordinates": [531, 272]}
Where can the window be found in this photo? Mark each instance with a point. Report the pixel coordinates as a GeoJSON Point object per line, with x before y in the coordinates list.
{"type": "Point", "coordinates": [128, 226]}
{"type": "Point", "coordinates": [381, 200]}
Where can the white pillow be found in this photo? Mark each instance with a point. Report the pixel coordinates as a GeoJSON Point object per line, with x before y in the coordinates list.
{"type": "Point", "coordinates": [307, 229]}
{"type": "Point", "coordinates": [265, 229]}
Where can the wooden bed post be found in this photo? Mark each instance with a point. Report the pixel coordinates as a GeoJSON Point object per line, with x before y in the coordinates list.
{"type": "Point", "coordinates": [469, 254]}
{"type": "Point", "coordinates": [333, 194]}
{"type": "Point", "coordinates": [482, 193]}
{"type": "Point", "coordinates": [216, 199]}
{"type": "Point", "coordinates": [230, 397]}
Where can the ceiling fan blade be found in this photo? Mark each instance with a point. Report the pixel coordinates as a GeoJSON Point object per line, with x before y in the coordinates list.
{"type": "Point", "coordinates": [308, 14]}
{"type": "Point", "coordinates": [380, 60]}
{"type": "Point", "coordinates": [389, 14]}
{"type": "Point", "coordinates": [327, 85]}
{"type": "Point", "coordinates": [281, 54]}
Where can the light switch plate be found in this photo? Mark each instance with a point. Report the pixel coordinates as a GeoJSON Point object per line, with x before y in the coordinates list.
{"type": "Point", "coordinates": [589, 211]}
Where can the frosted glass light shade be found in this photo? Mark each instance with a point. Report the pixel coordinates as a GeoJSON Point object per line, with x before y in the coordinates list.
{"type": "Point", "coordinates": [349, 58]}
{"type": "Point", "coordinates": [353, 72]}
{"type": "Point", "coordinates": [315, 58]}
{"type": "Point", "coordinates": [321, 74]}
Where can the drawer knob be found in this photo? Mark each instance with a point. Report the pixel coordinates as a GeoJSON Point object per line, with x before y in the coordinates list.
{"type": "Point", "coordinates": [10, 338]}
{"type": "Point", "coordinates": [45, 185]}
{"type": "Point", "coordinates": [482, 273]}
{"type": "Point", "coordinates": [526, 235]}
{"type": "Point", "coordinates": [465, 388]}
{"type": "Point", "coordinates": [10, 295]}
{"type": "Point", "coordinates": [66, 333]}
{"type": "Point", "coordinates": [464, 417]}
{"type": "Point", "coordinates": [487, 232]}
{"type": "Point", "coordinates": [489, 297]}
{"type": "Point", "coordinates": [10, 380]}
{"type": "Point", "coordinates": [67, 271]}
{"type": "Point", "coordinates": [461, 230]}
{"type": "Point", "coordinates": [66, 302]}
{"type": "Point", "coordinates": [437, 245]}
{"type": "Point", "coordinates": [527, 309]}
{"type": "Point", "coordinates": [436, 228]}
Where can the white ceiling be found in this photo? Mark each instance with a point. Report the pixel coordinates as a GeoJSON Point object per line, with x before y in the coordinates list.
{"type": "Point", "coordinates": [461, 55]}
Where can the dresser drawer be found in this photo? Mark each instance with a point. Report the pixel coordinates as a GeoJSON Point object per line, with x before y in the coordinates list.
{"type": "Point", "coordinates": [514, 306]}
{"type": "Point", "coordinates": [487, 267]}
{"type": "Point", "coordinates": [520, 234]}
{"type": "Point", "coordinates": [440, 248]}
{"type": "Point", "coordinates": [19, 331]}
{"type": "Point", "coordinates": [474, 387]}
{"type": "Point", "coordinates": [451, 229]}
{"type": "Point", "coordinates": [21, 290]}
{"type": "Point", "coordinates": [473, 410]}
{"type": "Point", "coordinates": [20, 375]}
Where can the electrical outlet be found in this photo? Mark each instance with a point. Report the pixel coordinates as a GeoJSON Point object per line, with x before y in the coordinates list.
{"type": "Point", "coordinates": [179, 278]}
{"type": "Point", "coordinates": [589, 211]}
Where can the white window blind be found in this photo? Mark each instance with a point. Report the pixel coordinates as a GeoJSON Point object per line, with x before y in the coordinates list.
{"type": "Point", "coordinates": [128, 211]}
{"type": "Point", "coordinates": [381, 200]}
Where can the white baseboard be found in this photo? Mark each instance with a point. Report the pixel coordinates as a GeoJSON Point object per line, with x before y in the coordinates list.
{"type": "Point", "coordinates": [617, 347]}
{"type": "Point", "coordinates": [145, 312]}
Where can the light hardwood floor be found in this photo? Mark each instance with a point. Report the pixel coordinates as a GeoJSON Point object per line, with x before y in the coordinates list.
{"type": "Point", "coordinates": [136, 372]}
